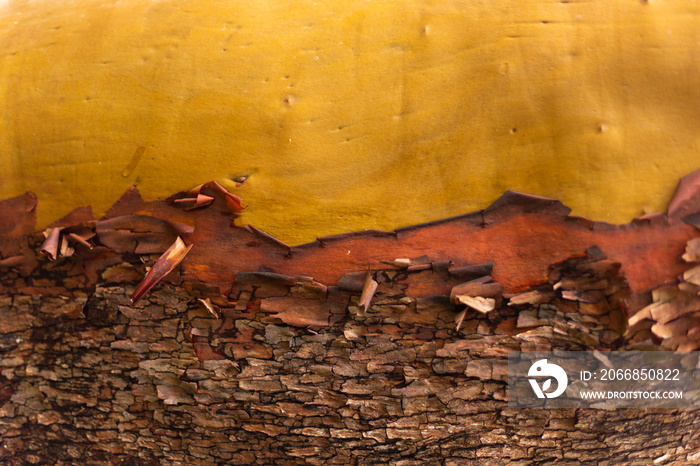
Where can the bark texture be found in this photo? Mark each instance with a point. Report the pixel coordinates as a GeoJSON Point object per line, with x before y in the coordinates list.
{"type": "Point", "coordinates": [91, 378]}
{"type": "Point", "coordinates": [252, 352]}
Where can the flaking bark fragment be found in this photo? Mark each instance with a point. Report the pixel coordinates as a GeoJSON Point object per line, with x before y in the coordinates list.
{"type": "Point", "coordinates": [190, 203]}
{"type": "Point", "coordinates": [478, 303]}
{"type": "Point", "coordinates": [210, 307]}
{"type": "Point", "coordinates": [692, 276]}
{"type": "Point", "coordinates": [368, 291]}
{"type": "Point", "coordinates": [66, 249]}
{"type": "Point", "coordinates": [163, 266]}
{"type": "Point", "coordinates": [399, 263]}
{"type": "Point", "coordinates": [234, 203]}
{"type": "Point", "coordinates": [489, 292]}
{"type": "Point", "coordinates": [532, 297]}
{"type": "Point", "coordinates": [459, 319]}
{"type": "Point", "coordinates": [79, 240]}
{"type": "Point", "coordinates": [692, 251]}
{"type": "Point", "coordinates": [51, 245]}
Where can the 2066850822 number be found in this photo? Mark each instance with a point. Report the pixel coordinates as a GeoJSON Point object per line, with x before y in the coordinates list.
{"type": "Point", "coordinates": [639, 374]}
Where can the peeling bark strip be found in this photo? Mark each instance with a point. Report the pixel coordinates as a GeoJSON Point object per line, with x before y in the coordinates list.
{"type": "Point", "coordinates": [163, 266]}
{"type": "Point", "coordinates": [254, 352]}
{"type": "Point", "coordinates": [518, 237]}
{"type": "Point", "coordinates": [368, 290]}
{"type": "Point", "coordinates": [51, 245]}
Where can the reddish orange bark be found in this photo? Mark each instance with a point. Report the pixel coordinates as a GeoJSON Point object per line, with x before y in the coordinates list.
{"type": "Point", "coordinates": [522, 235]}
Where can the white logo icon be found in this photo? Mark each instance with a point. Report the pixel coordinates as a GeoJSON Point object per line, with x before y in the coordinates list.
{"type": "Point", "coordinates": [542, 368]}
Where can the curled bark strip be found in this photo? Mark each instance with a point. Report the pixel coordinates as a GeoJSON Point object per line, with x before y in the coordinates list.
{"type": "Point", "coordinates": [368, 291]}
{"type": "Point", "coordinates": [234, 203]}
{"type": "Point", "coordinates": [163, 266]}
{"type": "Point", "coordinates": [51, 243]}
{"type": "Point", "coordinates": [210, 307]}
{"type": "Point", "coordinates": [398, 263]}
{"type": "Point", "coordinates": [190, 203]}
{"type": "Point", "coordinates": [459, 319]}
{"type": "Point", "coordinates": [79, 240]}
{"type": "Point", "coordinates": [12, 261]}
{"type": "Point", "coordinates": [66, 249]}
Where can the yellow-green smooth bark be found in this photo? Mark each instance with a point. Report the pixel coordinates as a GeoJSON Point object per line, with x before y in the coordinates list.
{"type": "Point", "coordinates": [348, 115]}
